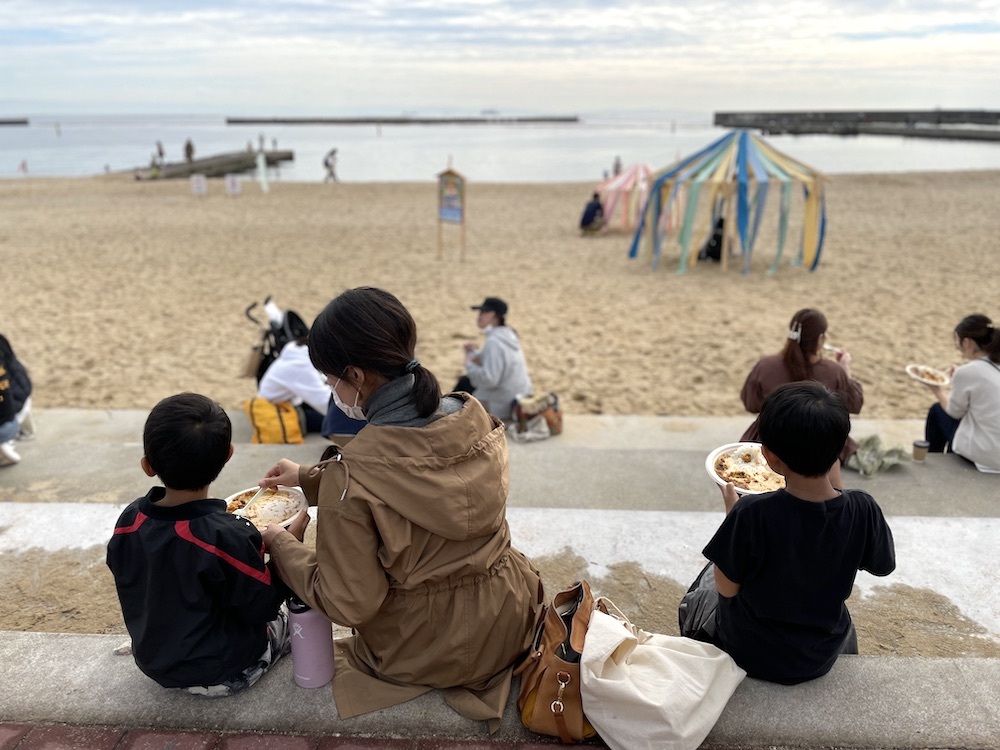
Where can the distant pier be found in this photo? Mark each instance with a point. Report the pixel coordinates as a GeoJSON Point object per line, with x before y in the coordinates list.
{"type": "Point", "coordinates": [22, 121]}
{"type": "Point", "coordinates": [218, 165]}
{"type": "Point", "coordinates": [370, 120]}
{"type": "Point", "coordinates": [966, 125]}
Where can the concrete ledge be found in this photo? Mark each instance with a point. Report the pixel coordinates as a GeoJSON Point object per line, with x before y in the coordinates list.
{"type": "Point", "coordinates": [865, 702]}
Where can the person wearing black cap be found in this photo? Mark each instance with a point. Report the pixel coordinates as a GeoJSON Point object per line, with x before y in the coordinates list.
{"type": "Point", "coordinates": [497, 373]}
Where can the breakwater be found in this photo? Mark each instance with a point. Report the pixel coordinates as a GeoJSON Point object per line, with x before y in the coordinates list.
{"type": "Point", "coordinates": [968, 125]}
{"type": "Point", "coordinates": [371, 120]}
{"type": "Point", "coordinates": [218, 165]}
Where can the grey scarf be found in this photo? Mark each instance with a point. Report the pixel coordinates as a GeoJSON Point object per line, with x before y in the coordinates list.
{"type": "Point", "coordinates": [392, 405]}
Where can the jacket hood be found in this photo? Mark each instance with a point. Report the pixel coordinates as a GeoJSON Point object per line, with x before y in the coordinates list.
{"type": "Point", "coordinates": [504, 335]}
{"type": "Point", "coordinates": [450, 477]}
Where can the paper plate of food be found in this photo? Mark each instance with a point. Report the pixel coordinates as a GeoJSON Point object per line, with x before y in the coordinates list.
{"type": "Point", "coordinates": [744, 465]}
{"type": "Point", "coordinates": [276, 505]}
{"type": "Point", "coordinates": [928, 375]}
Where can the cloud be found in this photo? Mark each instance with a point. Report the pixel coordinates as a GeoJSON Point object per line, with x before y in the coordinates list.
{"type": "Point", "coordinates": [334, 56]}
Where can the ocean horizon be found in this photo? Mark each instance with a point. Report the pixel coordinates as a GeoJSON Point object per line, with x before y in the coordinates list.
{"type": "Point", "coordinates": [82, 145]}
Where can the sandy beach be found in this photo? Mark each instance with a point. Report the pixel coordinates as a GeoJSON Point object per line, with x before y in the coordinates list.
{"type": "Point", "coordinates": [120, 293]}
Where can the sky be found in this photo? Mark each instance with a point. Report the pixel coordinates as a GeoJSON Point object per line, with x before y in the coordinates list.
{"type": "Point", "coordinates": [527, 57]}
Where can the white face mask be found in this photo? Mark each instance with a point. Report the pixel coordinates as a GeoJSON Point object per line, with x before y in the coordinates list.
{"type": "Point", "coordinates": [485, 329]}
{"type": "Point", "coordinates": [353, 412]}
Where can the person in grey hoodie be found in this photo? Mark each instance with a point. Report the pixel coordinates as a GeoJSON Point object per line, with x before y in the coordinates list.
{"type": "Point", "coordinates": [497, 372]}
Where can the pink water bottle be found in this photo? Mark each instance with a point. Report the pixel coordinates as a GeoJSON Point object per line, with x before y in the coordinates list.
{"type": "Point", "coordinates": [312, 645]}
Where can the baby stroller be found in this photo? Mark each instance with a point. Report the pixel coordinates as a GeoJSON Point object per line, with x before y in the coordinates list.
{"type": "Point", "coordinates": [281, 328]}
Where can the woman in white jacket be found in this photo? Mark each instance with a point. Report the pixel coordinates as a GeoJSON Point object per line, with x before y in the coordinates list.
{"type": "Point", "coordinates": [496, 373]}
{"type": "Point", "coordinates": [292, 377]}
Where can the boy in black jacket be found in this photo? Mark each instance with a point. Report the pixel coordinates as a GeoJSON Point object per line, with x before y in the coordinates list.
{"type": "Point", "coordinates": [196, 595]}
{"type": "Point", "coordinates": [784, 562]}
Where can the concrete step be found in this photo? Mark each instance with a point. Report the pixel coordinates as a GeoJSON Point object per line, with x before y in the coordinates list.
{"type": "Point", "coordinates": [616, 462]}
{"type": "Point", "coordinates": [864, 702]}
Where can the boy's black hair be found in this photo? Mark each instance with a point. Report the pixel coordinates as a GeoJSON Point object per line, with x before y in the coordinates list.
{"type": "Point", "coordinates": [805, 425]}
{"type": "Point", "coordinates": [186, 441]}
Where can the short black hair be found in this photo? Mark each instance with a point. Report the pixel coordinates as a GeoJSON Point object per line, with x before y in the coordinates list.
{"type": "Point", "coordinates": [186, 440]}
{"type": "Point", "coordinates": [805, 425]}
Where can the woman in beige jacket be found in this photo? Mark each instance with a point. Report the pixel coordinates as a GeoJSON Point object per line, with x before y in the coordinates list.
{"type": "Point", "coordinates": [412, 545]}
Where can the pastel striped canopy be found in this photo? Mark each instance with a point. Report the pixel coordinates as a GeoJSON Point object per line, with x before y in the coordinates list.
{"type": "Point", "coordinates": [737, 172]}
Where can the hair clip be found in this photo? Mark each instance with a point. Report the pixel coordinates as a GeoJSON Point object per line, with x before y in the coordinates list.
{"type": "Point", "coordinates": [795, 332]}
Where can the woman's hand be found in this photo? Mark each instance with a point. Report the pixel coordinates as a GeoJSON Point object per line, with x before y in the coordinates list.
{"type": "Point", "coordinates": [284, 472]}
{"type": "Point", "coordinates": [469, 346]}
{"type": "Point", "coordinates": [843, 358]}
{"type": "Point", "coordinates": [268, 535]}
{"type": "Point", "coordinates": [296, 528]}
{"type": "Point", "coordinates": [940, 394]}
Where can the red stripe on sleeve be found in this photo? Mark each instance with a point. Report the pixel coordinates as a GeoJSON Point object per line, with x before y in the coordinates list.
{"type": "Point", "coordinates": [139, 520]}
{"type": "Point", "coordinates": [183, 529]}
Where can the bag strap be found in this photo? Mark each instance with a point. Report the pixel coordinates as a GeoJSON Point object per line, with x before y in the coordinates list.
{"type": "Point", "coordinates": [558, 708]}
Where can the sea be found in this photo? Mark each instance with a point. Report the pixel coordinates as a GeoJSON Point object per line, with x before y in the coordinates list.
{"type": "Point", "coordinates": [83, 145]}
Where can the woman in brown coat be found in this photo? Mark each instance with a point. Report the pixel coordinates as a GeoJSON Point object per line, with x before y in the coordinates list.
{"type": "Point", "coordinates": [802, 359]}
{"type": "Point", "coordinates": [412, 546]}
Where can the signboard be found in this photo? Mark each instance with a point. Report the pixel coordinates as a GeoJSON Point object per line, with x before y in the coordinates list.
{"type": "Point", "coordinates": [451, 197]}
{"type": "Point", "coordinates": [233, 184]}
{"type": "Point", "coordinates": [451, 205]}
{"type": "Point", "coordinates": [199, 185]}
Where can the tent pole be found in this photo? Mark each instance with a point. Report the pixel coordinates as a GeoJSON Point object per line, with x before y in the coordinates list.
{"type": "Point", "coordinates": [727, 235]}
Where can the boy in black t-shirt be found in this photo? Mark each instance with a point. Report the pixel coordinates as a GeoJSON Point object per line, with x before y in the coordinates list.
{"type": "Point", "coordinates": [197, 598]}
{"type": "Point", "coordinates": [785, 561]}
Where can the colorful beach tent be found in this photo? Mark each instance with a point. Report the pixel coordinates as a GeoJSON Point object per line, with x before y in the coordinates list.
{"type": "Point", "coordinates": [624, 197]}
{"type": "Point", "coordinates": [737, 171]}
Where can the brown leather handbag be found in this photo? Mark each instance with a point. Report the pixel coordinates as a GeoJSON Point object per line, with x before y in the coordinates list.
{"type": "Point", "coordinates": [549, 699]}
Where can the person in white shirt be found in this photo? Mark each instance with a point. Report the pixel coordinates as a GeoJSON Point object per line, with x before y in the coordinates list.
{"type": "Point", "coordinates": [292, 377]}
{"type": "Point", "coordinates": [966, 419]}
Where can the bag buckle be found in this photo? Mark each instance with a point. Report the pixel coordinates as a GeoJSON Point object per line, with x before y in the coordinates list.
{"type": "Point", "coordinates": [563, 679]}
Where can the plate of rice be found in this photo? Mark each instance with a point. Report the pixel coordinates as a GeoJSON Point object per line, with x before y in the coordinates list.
{"type": "Point", "coordinates": [744, 465]}
{"type": "Point", "coordinates": [277, 505]}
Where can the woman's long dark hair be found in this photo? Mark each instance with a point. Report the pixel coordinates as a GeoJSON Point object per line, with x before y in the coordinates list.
{"type": "Point", "coordinates": [810, 325]}
{"type": "Point", "coordinates": [369, 328]}
{"type": "Point", "coordinates": [980, 329]}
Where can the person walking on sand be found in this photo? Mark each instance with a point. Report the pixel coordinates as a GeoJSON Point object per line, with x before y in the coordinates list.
{"type": "Point", "coordinates": [330, 162]}
{"type": "Point", "coordinates": [189, 151]}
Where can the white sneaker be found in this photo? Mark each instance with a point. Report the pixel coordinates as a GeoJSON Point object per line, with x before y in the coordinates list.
{"type": "Point", "coordinates": [8, 456]}
{"type": "Point", "coordinates": [27, 428]}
